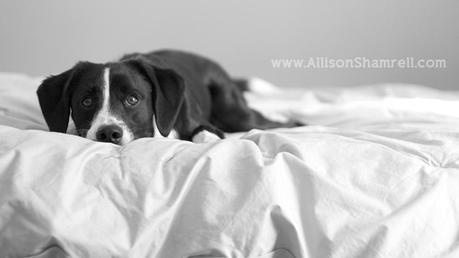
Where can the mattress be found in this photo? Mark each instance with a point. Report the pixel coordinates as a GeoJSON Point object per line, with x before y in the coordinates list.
{"type": "Point", "coordinates": [374, 174]}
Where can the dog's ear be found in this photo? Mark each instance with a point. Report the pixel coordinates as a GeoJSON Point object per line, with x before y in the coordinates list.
{"type": "Point", "coordinates": [169, 92]}
{"type": "Point", "coordinates": [54, 98]}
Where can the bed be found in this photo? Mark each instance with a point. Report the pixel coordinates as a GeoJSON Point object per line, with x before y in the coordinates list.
{"type": "Point", "coordinates": [375, 174]}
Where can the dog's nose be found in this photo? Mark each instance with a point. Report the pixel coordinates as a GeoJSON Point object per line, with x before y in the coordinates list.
{"type": "Point", "coordinates": [110, 133]}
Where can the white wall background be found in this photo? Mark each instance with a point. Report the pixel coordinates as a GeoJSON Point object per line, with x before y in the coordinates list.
{"type": "Point", "coordinates": [47, 36]}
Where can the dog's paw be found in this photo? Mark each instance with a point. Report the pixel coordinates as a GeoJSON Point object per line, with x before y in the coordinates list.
{"type": "Point", "coordinates": [205, 137]}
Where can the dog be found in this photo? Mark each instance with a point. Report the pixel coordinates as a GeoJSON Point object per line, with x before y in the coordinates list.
{"type": "Point", "coordinates": [165, 93]}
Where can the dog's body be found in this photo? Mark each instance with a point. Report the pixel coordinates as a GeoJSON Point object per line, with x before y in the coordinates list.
{"type": "Point", "coordinates": [161, 93]}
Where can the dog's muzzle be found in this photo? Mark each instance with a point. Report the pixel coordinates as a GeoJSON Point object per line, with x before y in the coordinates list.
{"type": "Point", "coordinates": [110, 133]}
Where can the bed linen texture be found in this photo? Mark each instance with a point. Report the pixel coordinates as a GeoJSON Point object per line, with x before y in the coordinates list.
{"type": "Point", "coordinates": [375, 174]}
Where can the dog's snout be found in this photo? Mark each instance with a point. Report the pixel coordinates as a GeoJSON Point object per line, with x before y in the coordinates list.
{"type": "Point", "coordinates": [110, 133]}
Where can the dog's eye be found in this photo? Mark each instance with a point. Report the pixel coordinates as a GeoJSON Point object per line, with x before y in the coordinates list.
{"type": "Point", "coordinates": [132, 100]}
{"type": "Point", "coordinates": [87, 102]}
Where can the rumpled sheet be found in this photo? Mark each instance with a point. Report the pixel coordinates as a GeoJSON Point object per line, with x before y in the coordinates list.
{"type": "Point", "coordinates": [374, 175]}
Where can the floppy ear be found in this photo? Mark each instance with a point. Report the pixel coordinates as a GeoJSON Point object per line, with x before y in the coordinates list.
{"type": "Point", "coordinates": [54, 98]}
{"type": "Point", "coordinates": [169, 91]}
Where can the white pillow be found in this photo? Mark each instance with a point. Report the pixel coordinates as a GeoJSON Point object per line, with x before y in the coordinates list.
{"type": "Point", "coordinates": [19, 106]}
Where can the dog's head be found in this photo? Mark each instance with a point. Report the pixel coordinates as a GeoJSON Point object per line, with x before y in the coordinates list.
{"type": "Point", "coordinates": [113, 102]}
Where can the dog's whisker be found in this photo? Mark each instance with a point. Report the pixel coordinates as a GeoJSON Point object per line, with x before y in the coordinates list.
{"type": "Point", "coordinates": [82, 132]}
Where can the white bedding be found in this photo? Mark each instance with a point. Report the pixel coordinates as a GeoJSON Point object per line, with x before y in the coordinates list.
{"type": "Point", "coordinates": [375, 175]}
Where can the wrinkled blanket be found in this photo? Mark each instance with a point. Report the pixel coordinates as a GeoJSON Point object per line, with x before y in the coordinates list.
{"type": "Point", "coordinates": [375, 174]}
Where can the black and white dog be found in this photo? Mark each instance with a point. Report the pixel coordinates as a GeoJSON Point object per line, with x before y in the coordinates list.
{"type": "Point", "coordinates": [163, 93]}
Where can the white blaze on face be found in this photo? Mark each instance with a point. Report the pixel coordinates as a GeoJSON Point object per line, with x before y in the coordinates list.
{"type": "Point", "coordinates": [104, 117]}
